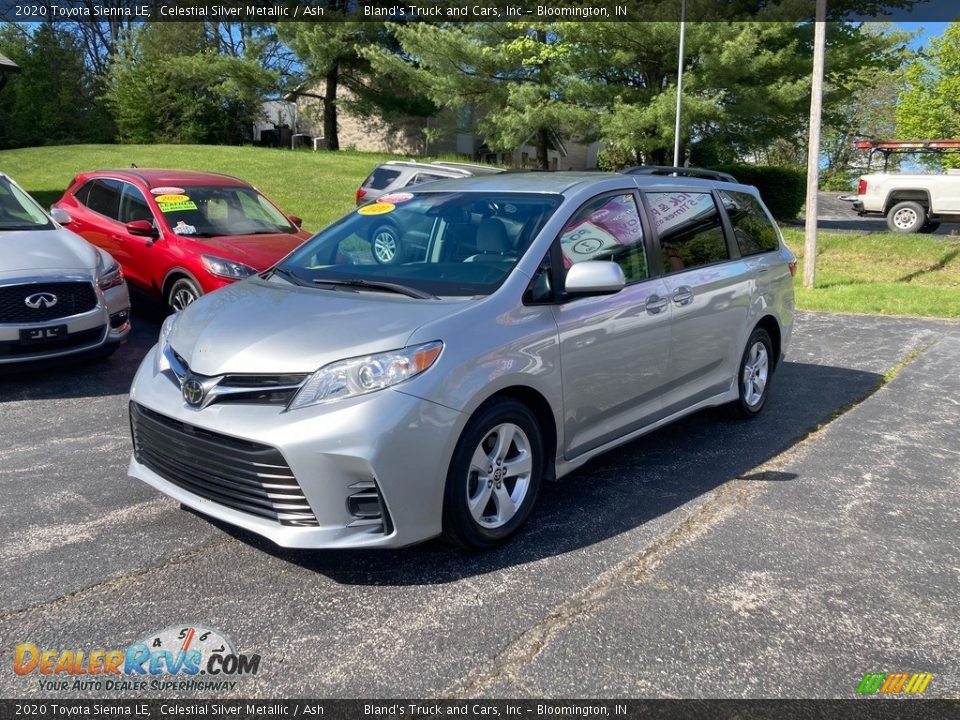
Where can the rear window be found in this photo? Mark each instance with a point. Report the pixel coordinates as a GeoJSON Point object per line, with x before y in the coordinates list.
{"type": "Point", "coordinates": [752, 227]}
{"type": "Point", "coordinates": [381, 178]}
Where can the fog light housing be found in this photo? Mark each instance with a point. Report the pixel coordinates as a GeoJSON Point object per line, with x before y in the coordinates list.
{"type": "Point", "coordinates": [118, 320]}
{"type": "Point", "coordinates": [367, 508]}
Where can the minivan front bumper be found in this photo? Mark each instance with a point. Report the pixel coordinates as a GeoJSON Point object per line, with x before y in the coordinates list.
{"type": "Point", "coordinates": [345, 456]}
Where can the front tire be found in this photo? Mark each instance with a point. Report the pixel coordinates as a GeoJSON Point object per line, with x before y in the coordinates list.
{"type": "Point", "coordinates": [385, 245]}
{"type": "Point", "coordinates": [754, 375]}
{"type": "Point", "coordinates": [494, 476]}
{"type": "Point", "coordinates": [906, 217]}
{"type": "Point", "coordinates": [182, 293]}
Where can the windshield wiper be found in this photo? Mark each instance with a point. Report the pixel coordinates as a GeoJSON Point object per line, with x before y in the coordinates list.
{"type": "Point", "coordinates": [378, 285]}
{"type": "Point", "coordinates": [290, 274]}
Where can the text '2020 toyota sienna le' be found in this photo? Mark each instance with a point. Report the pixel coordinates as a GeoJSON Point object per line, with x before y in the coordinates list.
{"type": "Point", "coordinates": [537, 321]}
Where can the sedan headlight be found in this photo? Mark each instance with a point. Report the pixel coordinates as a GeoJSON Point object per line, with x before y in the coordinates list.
{"type": "Point", "coordinates": [222, 267]}
{"type": "Point", "coordinates": [362, 375]}
{"type": "Point", "coordinates": [109, 275]}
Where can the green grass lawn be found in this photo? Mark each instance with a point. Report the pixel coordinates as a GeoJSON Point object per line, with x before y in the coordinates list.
{"type": "Point", "coordinates": [317, 186]}
{"type": "Point", "coordinates": [883, 273]}
{"type": "Point", "coordinates": [865, 273]}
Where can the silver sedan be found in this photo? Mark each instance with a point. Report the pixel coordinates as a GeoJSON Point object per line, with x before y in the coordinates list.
{"type": "Point", "coordinates": [60, 297]}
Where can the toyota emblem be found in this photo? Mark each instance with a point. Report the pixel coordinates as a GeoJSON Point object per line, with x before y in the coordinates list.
{"type": "Point", "coordinates": [40, 300]}
{"type": "Point", "coordinates": [192, 392]}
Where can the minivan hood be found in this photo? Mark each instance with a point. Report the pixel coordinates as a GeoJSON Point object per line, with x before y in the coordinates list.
{"type": "Point", "coordinates": [269, 326]}
{"type": "Point", "coordinates": [42, 251]}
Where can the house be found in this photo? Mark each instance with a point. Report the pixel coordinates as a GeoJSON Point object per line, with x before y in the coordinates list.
{"type": "Point", "coordinates": [7, 68]}
{"type": "Point", "coordinates": [447, 133]}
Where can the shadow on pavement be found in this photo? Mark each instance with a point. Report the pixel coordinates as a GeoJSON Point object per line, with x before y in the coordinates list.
{"type": "Point", "coordinates": [620, 491]}
{"type": "Point", "coordinates": [72, 378]}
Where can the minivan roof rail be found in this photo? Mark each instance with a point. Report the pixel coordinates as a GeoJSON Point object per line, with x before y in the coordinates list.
{"type": "Point", "coordinates": [703, 173]}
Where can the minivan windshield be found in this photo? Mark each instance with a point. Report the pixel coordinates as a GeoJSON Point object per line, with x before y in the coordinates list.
{"type": "Point", "coordinates": [424, 243]}
{"type": "Point", "coordinates": [18, 211]}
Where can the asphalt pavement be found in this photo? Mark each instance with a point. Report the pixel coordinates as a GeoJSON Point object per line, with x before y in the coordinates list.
{"type": "Point", "coordinates": [782, 557]}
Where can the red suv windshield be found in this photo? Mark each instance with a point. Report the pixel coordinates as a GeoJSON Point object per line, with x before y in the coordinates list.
{"type": "Point", "coordinates": [209, 211]}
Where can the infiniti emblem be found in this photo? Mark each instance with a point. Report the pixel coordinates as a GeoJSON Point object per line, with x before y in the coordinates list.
{"type": "Point", "coordinates": [40, 300]}
{"type": "Point", "coordinates": [192, 391]}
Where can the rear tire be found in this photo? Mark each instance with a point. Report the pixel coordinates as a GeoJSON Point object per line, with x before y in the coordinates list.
{"type": "Point", "coordinates": [494, 476]}
{"type": "Point", "coordinates": [906, 217]}
{"type": "Point", "coordinates": [754, 375]}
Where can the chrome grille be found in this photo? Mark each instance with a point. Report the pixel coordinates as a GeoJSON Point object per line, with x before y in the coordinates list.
{"type": "Point", "coordinates": [239, 474]}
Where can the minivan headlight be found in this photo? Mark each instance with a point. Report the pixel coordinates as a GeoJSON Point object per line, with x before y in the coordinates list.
{"type": "Point", "coordinates": [362, 375]}
{"type": "Point", "coordinates": [165, 331]}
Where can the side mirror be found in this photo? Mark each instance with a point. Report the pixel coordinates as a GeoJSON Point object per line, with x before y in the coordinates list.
{"type": "Point", "coordinates": [143, 228]}
{"type": "Point", "coordinates": [297, 221]}
{"type": "Point", "coordinates": [60, 216]}
{"type": "Point", "coordinates": [595, 277]}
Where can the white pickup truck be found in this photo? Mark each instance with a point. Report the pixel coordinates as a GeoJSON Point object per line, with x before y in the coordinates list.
{"type": "Point", "coordinates": [911, 203]}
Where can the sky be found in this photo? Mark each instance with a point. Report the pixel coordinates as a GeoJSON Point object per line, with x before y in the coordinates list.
{"type": "Point", "coordinates": [928, 30]}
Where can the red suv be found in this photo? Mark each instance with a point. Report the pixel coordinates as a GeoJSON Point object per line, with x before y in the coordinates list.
{"type": "Point", "coordinates": [176, 233]}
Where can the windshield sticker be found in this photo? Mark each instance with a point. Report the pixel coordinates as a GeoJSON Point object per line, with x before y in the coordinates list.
{"type": "Point", "coordinates": [395, 198]}
{"type": "Point", "coordinates": [181, 228]}
{"type": "Point", "coordinates": [167, 190]}
{"type": "Point", "coordinates": [177, 206]}
{"type": "Point", "coordinates": [172, 198]}
{"type": "Point", "coordinates": [377, 208]}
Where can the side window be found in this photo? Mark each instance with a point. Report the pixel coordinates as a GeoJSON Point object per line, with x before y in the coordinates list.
{"type": "Point", "coordinates": [752, 227]}
{"type": "Point", "coordinates": [607, 228]}
{"type": "Point", "coordinates": [83, 192]}
{"type": "Point", "coordinates": [422, 178]}
{"type": "Point", "coordinates": [690, 231]}
{"type": "Point", "coordinates": [133, 205]}
{"type": "Point", "coordinates": [104, 198]}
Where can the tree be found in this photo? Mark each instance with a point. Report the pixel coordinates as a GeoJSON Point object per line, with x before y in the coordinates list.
{"type": "Point", "coordinates": [929, 106]}
{"type": "Point", "coordinates": [169, 83]}
{"type": "Point", "coordinates": [54, 99]}
{"type": "Point", "coordinates": [518, 76]}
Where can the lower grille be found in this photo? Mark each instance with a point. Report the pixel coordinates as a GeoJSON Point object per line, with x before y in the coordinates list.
{"type": "Point", "coordinates": [238, 474]}
{"type": "Point", "coordinates": [71, 298]}
{"type": "Point", "coordinates": [73, 340]}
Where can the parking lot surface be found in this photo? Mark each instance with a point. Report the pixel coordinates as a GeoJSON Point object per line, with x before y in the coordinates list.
{"type": "Point", "coordinates": [783, 557]}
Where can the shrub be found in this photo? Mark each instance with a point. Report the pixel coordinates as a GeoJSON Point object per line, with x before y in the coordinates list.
{"type": "Point", "coordinates": [783, 189]}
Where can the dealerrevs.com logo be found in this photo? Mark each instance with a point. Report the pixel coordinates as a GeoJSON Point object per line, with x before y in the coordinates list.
{"type": "Point", "coordinates": [180, 657]}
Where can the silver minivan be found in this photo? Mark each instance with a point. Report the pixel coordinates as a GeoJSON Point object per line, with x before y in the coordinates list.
{"type": "Point", "coordinates": [335, 401]}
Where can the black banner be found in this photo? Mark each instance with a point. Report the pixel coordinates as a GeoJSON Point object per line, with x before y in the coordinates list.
{"type": "Point", "coordinates": [471, 10]}
{"type": "Point", "coordinates": [854, 709]}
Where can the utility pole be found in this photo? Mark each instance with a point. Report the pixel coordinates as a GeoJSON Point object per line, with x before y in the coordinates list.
{"type": "Point", "coordinates": [676, 128]}
{"type": "Point", "coordinates": [813, 148]}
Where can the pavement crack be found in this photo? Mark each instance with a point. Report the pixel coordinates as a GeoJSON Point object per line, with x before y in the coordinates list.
{"type": "Point", "coordinates": [114, 582]}
{"type": "Point", "coordinates": [506, 666]}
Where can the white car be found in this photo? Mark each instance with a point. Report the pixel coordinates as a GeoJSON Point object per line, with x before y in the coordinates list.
{"type": "Point", "coordinates": [911, 203]}
{"type": "Point", "coordinates": [59, 295]}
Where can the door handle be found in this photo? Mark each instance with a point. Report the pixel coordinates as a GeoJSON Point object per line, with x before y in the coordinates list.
{"type": "Point", "coordinates": [656, 304]}
{"type": "Point", "coordinates": [118, 238]}
{"type": "Point", "coordinates": [761, 271]}
{"type": "Point", "coordinates": [683, 295]}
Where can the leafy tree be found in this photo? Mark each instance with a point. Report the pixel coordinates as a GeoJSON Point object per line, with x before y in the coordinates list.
{"type": "Point", "coordinates": [169, 83]}
{"type": "Point", "coordinates": [518, 76]}
{"type": "Point", "coordinates": [53, 100]}
{"type": "Point", "coordinates": [929, 106]}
